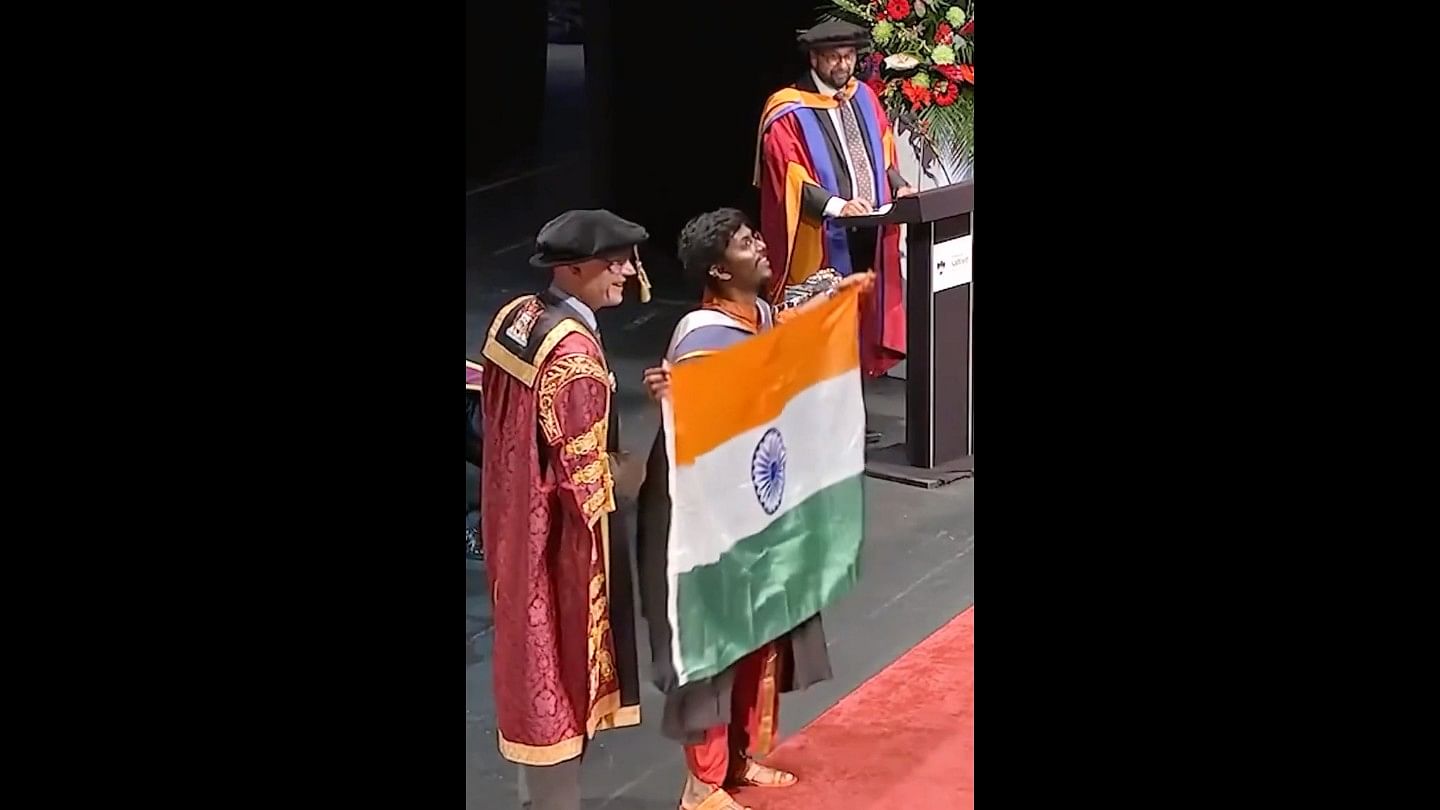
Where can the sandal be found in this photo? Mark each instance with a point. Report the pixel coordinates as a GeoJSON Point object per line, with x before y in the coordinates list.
{"type": "Point", "coordinates": [757, 775]}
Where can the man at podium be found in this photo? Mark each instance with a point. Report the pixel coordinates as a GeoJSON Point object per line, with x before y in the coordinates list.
{"type": "Point", "coordinates": [826, 150]}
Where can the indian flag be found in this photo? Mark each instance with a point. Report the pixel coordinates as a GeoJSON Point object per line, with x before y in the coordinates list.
{"type": "Point", "coordinates": [766, 443]}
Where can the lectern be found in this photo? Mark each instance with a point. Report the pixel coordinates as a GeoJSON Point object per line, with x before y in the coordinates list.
{"type": "Point", "coordinates": [939, 304]}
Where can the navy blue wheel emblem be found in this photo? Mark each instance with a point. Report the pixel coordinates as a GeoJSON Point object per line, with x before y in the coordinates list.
{"type": "Point", "coordinates": [767, 470]}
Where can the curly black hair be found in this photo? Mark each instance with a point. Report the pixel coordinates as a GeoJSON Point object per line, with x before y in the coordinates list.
{"type": "Point", "coordinates": [703, 241]}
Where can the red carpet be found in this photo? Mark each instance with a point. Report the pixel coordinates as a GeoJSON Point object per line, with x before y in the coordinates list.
{"type": "Point", "coordinates": [905, 740]}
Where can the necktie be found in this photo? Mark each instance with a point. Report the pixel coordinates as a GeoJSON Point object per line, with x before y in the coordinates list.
{"type": "Point", "coordinates": [855, 145]}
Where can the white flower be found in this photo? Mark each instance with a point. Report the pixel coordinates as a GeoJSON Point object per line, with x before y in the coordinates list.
{"type": "Point", "coordinates": [901, 61]}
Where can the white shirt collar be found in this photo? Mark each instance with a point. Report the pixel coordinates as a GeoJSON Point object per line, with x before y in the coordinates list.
{"type": "Point", "coordinates": [586, 314]}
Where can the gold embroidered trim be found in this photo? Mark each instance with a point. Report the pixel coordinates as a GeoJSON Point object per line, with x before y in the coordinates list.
{"type": "Point", "coordinates": [591, 473]}
{"type": "Point", "coordinates": [559, 374]}
{"type": "Point", "coordinates": [601, 662]}
{"type": "Point", "coordinates": [605, 715]}
{"type": "Point", "coordinates": [600, 503]}
{"type": "Point", "coordinates": [499, 355]}
{"type": "Point", "coordinates": [587, 442]}
{"type": "Point", "coordinates": [513, 365]}
{"type": "Point", "coordinates": [562, 330]}
{"type": "Point", "coordinates": [568, 748]}
{"type": "Point", "coordinates": [625, 716]}
{"type": "Point", "coordinates": [602, 708]}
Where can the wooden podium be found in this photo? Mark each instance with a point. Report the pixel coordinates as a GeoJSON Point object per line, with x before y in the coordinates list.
{"type": "Point", "coordinates": [939, 304]}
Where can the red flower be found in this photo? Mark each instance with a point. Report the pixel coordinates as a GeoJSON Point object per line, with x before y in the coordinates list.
{"type": "Point", "coordinates": [967, 72]}
{"type": "Point", "coordinates": [877, 84]}
{"type": "Point", "coordinates": [952, 92]}
{"type": "Point", "coordinates": [876, 59]}
{"type": "Point", "coordinates": [944, 35]}
{"type": "Point", "coordinates": [951, 72]}
{"type": "Point", "coordinates": [919, 96]}
{"type": "Point", "coordinates": [898, 9]}
{"type": "Point", "coordinates": [968, 28]}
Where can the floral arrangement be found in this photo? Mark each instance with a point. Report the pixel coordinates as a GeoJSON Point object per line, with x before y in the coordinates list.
{"type": "Point", "coordinates": [923, 69]}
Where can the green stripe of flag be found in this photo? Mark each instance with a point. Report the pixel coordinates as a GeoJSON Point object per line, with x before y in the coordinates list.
{"type": "Point", "coordinates": [768, 583]}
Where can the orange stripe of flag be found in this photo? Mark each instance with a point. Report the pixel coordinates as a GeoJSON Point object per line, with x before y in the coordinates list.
{"type": "Point", "coordinates": [748, 385]}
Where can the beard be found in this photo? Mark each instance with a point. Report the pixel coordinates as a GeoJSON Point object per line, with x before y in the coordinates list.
{"type": "Point", "coordinates": [754, 279]}
{"type": "Point", "coordinates": [838, 77]}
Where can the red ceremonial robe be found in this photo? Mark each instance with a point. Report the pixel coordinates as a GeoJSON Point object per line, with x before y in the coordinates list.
{"type": "Point", "coordinates": [547, 494]}
{"type": "Point", "coordinates": [798, 168]}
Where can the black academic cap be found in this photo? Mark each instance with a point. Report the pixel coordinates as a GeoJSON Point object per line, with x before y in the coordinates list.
{"type": "Point", "coordinates": [833, 34]}
{"type": "Point", "coordinates": [575, 236]}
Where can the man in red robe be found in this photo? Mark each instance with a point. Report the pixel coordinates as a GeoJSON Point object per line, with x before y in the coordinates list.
{"type": "Point", "coordinates": [564, 646]}
{"type": "Point", "coordinates": [825, 149]}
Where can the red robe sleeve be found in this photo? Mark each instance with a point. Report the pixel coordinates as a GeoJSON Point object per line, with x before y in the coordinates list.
{"type": "Point", "coordinates": [792, 205]}
{"type": "Point", "coordinates": [574, 412]}
{"type": "Point", "coordinates": [887, 146]}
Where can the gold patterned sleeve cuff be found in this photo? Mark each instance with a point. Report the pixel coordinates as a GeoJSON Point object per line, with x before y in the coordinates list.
{"type": "Point", "coordinates": [558, 374]}
{"type": "Point", "coordinates": [600, 503]}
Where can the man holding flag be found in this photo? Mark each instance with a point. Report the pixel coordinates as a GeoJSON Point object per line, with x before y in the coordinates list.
{"type": "Point", "coordinates": [732, 590]}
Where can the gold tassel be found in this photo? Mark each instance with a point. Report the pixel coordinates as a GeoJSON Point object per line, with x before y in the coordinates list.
{"type": "Point", "coordinates": [643, 279]}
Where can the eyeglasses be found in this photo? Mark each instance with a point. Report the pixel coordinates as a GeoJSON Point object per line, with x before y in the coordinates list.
{"type": "Point", "coordinates": [830, 57]}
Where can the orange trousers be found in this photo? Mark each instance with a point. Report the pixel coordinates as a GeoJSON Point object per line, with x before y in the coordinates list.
{"type": "Point", "coordinates": [754, 720]}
